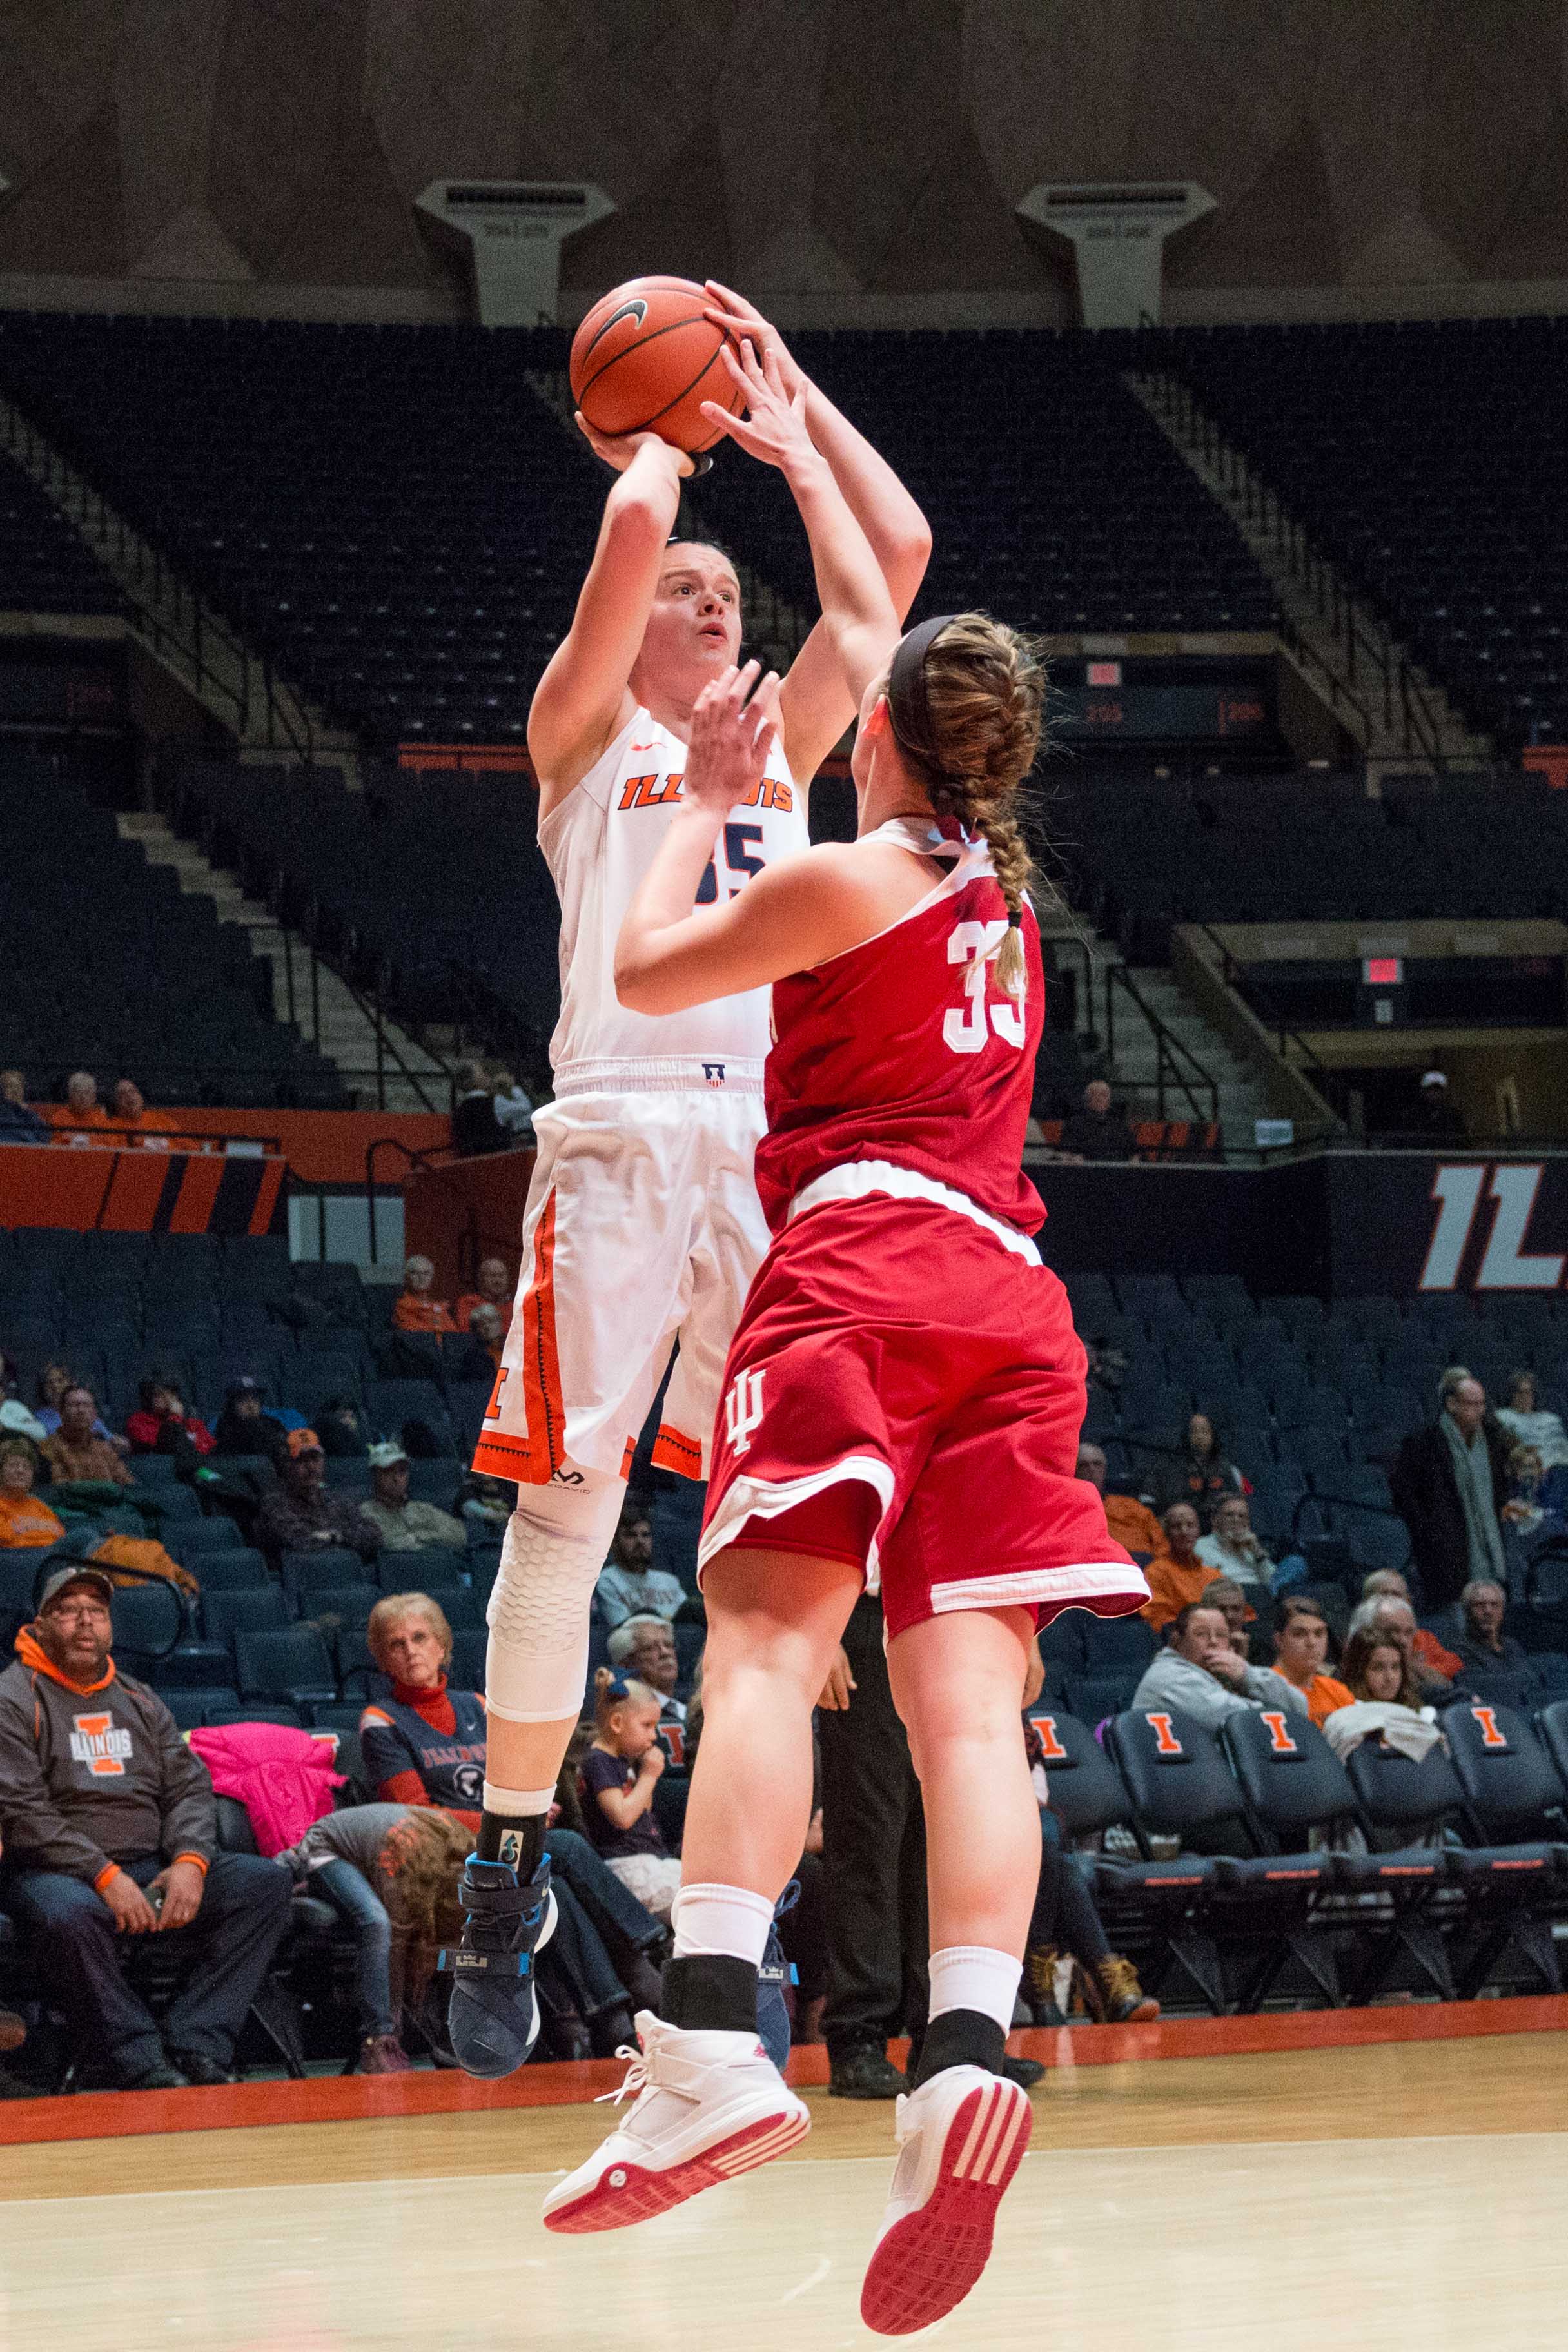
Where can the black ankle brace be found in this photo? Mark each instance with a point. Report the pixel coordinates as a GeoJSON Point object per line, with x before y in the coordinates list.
{"type": "Point", "coordinates": [961, 2037]}
{"type": "Point", "coordinates": [710, 1993]}
{"type": "Point", "coordinates": [517, 1839]}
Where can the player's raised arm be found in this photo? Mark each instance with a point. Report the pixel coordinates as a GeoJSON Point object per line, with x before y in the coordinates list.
{"type": "Point", "coordinates": [671, 953]}
{"type": "Point", "coordinates": [583, 698]}
{"type": "Point", "coordinates": [815, 704]}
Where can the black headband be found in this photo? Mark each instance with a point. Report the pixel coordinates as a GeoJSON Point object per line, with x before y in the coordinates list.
{"type": "Point", "coordinates": [907, 704]}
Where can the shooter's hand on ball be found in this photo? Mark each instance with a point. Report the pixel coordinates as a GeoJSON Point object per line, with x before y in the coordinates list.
{"type": "Point", "coordinates": [745, 322]}
{"type": "Point", "coordinates": [774, 428]}
{"type": "Point", "coordinates": [734, 728]}
{"type": "Point", "coordinates": [620, 451]}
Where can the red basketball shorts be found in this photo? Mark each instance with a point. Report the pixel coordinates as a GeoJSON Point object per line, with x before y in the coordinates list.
{"type": "Point", "coordinates": [905, 1390]}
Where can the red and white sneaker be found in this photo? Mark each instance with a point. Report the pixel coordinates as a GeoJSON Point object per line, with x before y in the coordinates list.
{"type": "Point", "coordinates": [710, 2106]}
{"type": "Point", "coordinates": [962, 2137]}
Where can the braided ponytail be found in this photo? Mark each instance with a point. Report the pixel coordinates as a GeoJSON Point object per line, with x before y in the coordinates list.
{"type": "Point", "coordinates": [972, 734]}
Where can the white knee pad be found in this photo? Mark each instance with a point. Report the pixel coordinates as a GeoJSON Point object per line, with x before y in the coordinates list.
{"type": "Point", "coordinates": [537, 1665]}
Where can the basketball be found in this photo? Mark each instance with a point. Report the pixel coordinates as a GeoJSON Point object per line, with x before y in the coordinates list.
{"type": "Point", "coordinates": [645, 359]}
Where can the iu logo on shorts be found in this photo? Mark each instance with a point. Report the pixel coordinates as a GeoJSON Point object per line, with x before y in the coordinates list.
{"type": "Point", "coordinates": [742, 1410]}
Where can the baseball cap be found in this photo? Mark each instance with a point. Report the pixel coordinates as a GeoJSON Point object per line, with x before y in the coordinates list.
{"type": "Point", "coordinates": [76, 1574]}
{"type": "Point", "coordinates": [303, 1441]}
{"type": "Point", "coordinates": [382, 1456]}
{"type": "Point", "coordinates": [246, 1385]}
{"type": "Point", "coordinates": [1434, 1078]}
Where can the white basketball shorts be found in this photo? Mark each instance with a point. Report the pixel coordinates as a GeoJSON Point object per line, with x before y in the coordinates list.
{"type": "Point", "coordinates": [643, 1226]}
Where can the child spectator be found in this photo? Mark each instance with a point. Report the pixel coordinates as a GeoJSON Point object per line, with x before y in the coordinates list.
{"type": "Point", "coordinates": [617, 1777]}
{"type": "Point", "coordinates": [416, 1309]}
{"type": "Point", "coordinates": [347, 1858]}
{"type": "Point", "coordinates": [485, 1504]}
{"type": "Point", "coordinates": [25, 1520]}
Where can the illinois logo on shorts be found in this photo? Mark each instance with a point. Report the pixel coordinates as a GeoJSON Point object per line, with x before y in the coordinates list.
{"type": "Point", "coordinates": [742, 1410]}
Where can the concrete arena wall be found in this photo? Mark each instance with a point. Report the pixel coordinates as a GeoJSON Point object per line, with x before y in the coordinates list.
{"type": "Point", "coordinates": [847, 161]}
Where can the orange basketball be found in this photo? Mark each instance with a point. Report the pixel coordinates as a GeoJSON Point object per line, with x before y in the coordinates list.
{"type": "Point", "coordinates": [645, 359]}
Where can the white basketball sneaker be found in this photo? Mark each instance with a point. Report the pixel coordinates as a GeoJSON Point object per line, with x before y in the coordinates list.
{"type": "Point", "coordinates": [962, 2137]}
{"type": "Point", "coordinates": [710, 2106]}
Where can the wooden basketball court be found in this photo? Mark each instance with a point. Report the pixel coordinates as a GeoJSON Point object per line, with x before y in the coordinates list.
{"type": "Point", "coordinates": [1371, 2177]}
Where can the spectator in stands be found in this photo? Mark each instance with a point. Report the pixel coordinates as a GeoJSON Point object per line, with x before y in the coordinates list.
{"type": "Point", "coordinates": [1131, 1523]}
{"type": "Point", "coordinates": [485, 1505]}
{"type": "Point", "coordinates": [1199, 1673]}
{"type": "Point", "coordinates": [495, 1289]}
{"type": "Point", "coordinates": [645, 1647]}
{"type": "Point", "coordinates": [475, 1127]}
{"type": "Point", "coordinates": [1065, 1908]}
{"type": "Point", "coordinates": [1529, 1423]}
{"type": "Point", "coordinates": [1395, 1620]}
{"type": "Point", "coordinates": [424, 1745]}
{"type": "Point", "coordinates": [617, 1777]}
{"type": "Point", "coordinates": [1385, 1701]}
{"type": "Point", "coordinates": [1230, 1599]}
{"type": "Point", "coordinates": [1389, 1582]}
{"type": "Point", "coordinates": [1436, 1115]}
{"type": "Point", "coordinates": [19, 1122]}
{"type": "Point", "coordinates": [87, 1846]}
{"type": "Point", "coordinates": [74, 1453]}
{"type": "Point", "coordinates": [1300, 1650]}
{"type": "Point", "coordinates": [630, 1585]}
{"type": "Point", "coordinates": [1534, 1519]}
{"type": "Point", "coordinates": [52, 1384]}
{"type": "Point", "coordinates": [475, 1355]}
{"type": "Point", "coordinates": [1484, 1647]}
{"type": "Point", "coordinates": [342, 1431]}
{"type": "Point", "coordinates": [514, 1111]}
{"type": "Point", "coordinates": [76, 1119]}
{"type": "Point", "coordinates": [1200, 1473]}
{"type": "Point", "coordinates": [1096, 1131]}
{"type": "Point", "coordinates": [345, 1858]}
{"type": "Point", "coordinates": [128, 1108]}
{"type": "Point", "coordinates": [300, 1515]}
{"type": "Point", "coordinates": [416, 1309]}
{"type": "Point", "coordinates": [165, 1425]}
{"type": "Point", "coordinates": [405, 1525]}
{"type": "Point", "coordinates": [1449, 1484]}
{"type": "Point", "coordinates": [1230, 1545]}
{"type": "Point", "coordinates": [25, 1519]}
{"type": "Point", "coordinates": [1176, 1576]}
{"type": "Point", "coordinates": [245, 1427]}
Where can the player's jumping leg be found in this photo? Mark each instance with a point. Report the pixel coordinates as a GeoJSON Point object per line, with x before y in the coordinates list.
{"type": "Point", "coordinates": [712, 2103]}
{"type": "Point", "coordinates": [963, 2130]}
{"type": "Point", "coordinates": [535, 1674]}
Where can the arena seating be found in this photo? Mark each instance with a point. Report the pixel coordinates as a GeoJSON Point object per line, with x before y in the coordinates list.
{"type": "Point", "coordinates": [1141, 852]}
{"type": "Point", "coordinates": [45, 565]}
{"type": "Point", "coordinates": [400, 521]}
{"type": "Point", "coordinates": [91, 923]}
{"type": "Point", "coordinates": [1429, 460]}
{"type": "Point", "coordinates": [1078, 517]}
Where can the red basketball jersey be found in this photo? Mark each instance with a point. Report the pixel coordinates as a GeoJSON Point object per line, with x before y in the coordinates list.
{"type": "Point", "coordinates": [907, 1049]}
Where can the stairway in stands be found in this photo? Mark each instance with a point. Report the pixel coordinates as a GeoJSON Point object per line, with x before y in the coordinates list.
{"type": "Point", "coordinates": [412, 1079]}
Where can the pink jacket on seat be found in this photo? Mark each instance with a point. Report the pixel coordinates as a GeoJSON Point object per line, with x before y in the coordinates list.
{"type": "Point", "coordinates": [283, 1778]}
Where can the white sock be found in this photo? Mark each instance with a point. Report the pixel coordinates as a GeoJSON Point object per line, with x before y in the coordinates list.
{"type": "Point", "coordinates": [727, 1922]}
{"type": "Point", "coordinates": [972, 1976]}
{"type": "Point", "coordinates": [518, 1801]}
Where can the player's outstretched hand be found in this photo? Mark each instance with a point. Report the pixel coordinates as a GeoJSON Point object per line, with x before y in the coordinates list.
{"type": "Point", "coordinates": [733, 723]}
{"type": "Point", "coordinates": [619, 451]}
{"type": "Point", "coordinates": [774, 428]}
{"type": "Point", "coordinates": [746, 323]}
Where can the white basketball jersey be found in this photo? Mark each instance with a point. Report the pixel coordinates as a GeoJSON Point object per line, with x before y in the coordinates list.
{"type": "Point", "coordinates": [599, 843]}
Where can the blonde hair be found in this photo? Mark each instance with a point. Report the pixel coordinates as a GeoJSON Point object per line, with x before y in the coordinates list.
{"type": "Point", "coordinates": [984, 695]}
{"type": "Point", "coordinates": [613, 1690]}
{"type": "Point", "coordinates": [390, 1610]}
{"type": "Point", "coordinates": [417, 1868]}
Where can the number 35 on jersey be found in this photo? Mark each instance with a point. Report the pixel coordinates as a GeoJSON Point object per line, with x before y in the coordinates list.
{"type": "Point", "coordinates": [966, 1026]}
